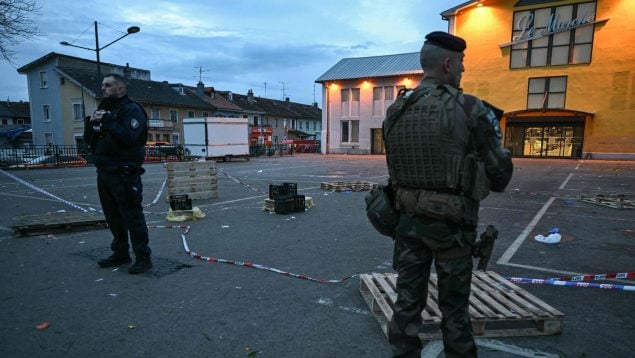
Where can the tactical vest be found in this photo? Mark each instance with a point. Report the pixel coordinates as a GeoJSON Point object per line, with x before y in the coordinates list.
{"type": "Point", "coordinates": [426, 145]}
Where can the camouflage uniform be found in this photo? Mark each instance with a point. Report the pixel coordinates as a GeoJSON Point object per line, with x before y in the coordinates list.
{"type": "Point", "coordinates": [427, 232]}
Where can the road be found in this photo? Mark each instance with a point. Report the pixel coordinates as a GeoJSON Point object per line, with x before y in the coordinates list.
{"type": "Point", "coordinates": [194, 308]}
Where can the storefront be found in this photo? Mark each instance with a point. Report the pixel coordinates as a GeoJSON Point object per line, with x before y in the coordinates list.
{"type": "Point", "coordinates": [563, 71]}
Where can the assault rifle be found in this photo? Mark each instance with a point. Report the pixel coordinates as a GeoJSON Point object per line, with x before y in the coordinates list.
{"type": "Point", "coordinates": [484, 245]}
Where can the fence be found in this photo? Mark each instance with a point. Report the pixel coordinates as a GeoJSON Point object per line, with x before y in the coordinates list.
{"type": "Point", "coordinates": [70, 155]}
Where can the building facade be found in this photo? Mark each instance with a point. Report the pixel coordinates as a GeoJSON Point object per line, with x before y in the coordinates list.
{"type": "Point", "coordinates": [563, 72]}
{"type": "Point", "coordinates": [356, 93]}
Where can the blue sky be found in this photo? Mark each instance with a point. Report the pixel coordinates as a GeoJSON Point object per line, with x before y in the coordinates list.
{"type": "Point", "coordinates": [240, 44]}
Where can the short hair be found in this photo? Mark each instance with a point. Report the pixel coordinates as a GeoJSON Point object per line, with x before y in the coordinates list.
{"type": "Point", "coordinates": [432, 56]}
{"type": "Point", "coordinates": [118, 78]}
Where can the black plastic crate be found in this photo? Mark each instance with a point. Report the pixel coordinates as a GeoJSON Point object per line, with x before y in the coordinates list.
{"type": "Point", "coordinates": [291, 188]}
{"type": "Point", "coordinates": [180, 202]}
{"type": "Point", "coordinates": [277, 192]}
{"type": "Point", "coordinates": [298, 203]}
{"type": "Point", "coordinates": [284, 206]}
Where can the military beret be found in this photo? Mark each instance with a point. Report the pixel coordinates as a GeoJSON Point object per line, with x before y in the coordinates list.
{"type": "Point", "coordinates": [446, 41]}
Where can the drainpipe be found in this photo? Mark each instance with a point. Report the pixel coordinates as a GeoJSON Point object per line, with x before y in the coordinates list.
{"type": "Point", "coordinates": [327, 108]}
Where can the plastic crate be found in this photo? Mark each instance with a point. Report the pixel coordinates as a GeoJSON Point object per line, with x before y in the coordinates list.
{"type": "Point", "coordinates": [277, 192]}
{"type": "Point", "coordinates": [180, 202]}
{"type": "Point", "coordinates": [284, 206]}
{"type": "Point", "coordinates": [298, 203]}
{"type": "Point", "coordinates": [291, 188]}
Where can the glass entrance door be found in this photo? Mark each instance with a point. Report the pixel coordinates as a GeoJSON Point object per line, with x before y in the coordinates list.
{"type": "Point", "coordinates": [560, 141]}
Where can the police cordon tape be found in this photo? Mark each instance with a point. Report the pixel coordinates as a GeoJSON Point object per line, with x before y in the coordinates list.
{"type": "Point", "coordinates": [602, 276]}
{"type": "Point", "coordinates": [240, 182]}
{"type": "Point", "coordinates": [241, 263]}
{"type": "Point", "coordinates": [569, 283]}
{"type": "Point", "coordinates": [38, 189]}
{"type": "Point", "coordinates": [156, 198]}
{"type": "Point", "coordinates": [561, 281]}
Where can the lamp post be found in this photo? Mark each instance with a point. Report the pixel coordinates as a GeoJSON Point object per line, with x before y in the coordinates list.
{"type": "Point", "coordinates": [131, 30]}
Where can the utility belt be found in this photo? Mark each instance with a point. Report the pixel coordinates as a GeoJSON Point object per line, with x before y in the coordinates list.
{"type": "Point", "coordinates": [455, 208]}
{"type": "Point", "coordinates": [121, 169]}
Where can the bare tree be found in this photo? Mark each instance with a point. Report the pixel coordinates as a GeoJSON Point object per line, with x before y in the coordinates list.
{"type": "Point", "coordinates": [15, 25]}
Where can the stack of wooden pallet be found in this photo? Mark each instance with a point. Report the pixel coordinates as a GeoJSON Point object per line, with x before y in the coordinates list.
{"type": "Point", "coordinates": [196, 179]}
{"type": "Point", "coordinates": [339, 186]}
{"type": "Point", "coordinates": [612, 201]}
{"type": "Point", "coordinates": [498, 308]}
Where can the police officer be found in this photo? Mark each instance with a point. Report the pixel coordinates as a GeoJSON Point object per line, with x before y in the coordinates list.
{"type": "Point", "coordinates": [444, 155]}
{"type": "Point", "coordinates": [116, 134]}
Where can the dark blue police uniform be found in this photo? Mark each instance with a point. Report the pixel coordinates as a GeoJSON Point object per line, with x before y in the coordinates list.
{"type": "Point", "coordinates": [118, 148]}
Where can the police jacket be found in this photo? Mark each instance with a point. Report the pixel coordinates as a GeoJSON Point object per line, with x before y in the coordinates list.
{"type": "Point", "coordinates": [120, 139]}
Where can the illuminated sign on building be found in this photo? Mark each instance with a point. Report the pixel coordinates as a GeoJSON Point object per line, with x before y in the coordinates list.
{"type": "Point", "coordinates": [528, 31]}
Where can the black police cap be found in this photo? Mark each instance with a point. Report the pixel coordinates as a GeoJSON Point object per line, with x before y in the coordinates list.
{"type": "Point", "coordinates": [446, 41]}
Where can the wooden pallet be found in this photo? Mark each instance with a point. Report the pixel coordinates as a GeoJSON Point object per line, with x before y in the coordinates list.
{"type": "Point", "coordinates": [57, 222]}
{"type": "Point", "coordinates": [339, 186]}
{"type": "Point", "coordinates": [269, 205]}
{"type": "Point", "coordinates": [498, 308]}
{"type": "Point", "coordinates": [613, 201]}
{"type": "Point", "coordinates": [196, 179]}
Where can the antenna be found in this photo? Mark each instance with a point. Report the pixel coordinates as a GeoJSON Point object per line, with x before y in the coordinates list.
{"type": "Point", "coordinates": [200, 72]}
{"type": "Point", "coordinates": [284, 93]}
{"type": "Point", "coordinates": [314, 93]}
{"type": "Point", "coordinates": [265, 89]}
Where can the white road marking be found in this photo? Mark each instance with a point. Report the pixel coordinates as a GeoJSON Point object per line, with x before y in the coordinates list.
{"type": "Point", "coordinates": [565, 181]}
{"type": "Point", "coordinates": [511, 250]}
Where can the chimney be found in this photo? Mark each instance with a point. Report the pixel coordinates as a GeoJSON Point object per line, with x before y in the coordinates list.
{"type": "Point", "coordinates": [200, 89]}
{"type": "Point", "coordinates": [250, 96]}
{"type": "Point", "coordinates": [315, 104]}
{"type": "Point", "coordinates": [286, 99]}
{"type": "Point", "coordinates": [127, 73]}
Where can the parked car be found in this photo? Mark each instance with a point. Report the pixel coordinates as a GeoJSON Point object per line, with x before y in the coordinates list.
{"type": "Point", "coordinates": [52, 161]}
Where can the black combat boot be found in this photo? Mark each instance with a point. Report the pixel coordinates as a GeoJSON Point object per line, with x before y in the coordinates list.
{"type": "Point", "coordinates": [141, 265]}
{"type": "Point", "coordinates": [114, 260]}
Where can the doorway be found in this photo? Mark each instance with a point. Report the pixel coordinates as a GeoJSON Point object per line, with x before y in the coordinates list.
{"type": "Point", "coordinates": [377, 145]}
{"type": "Point", "coordinates": [545, 140]}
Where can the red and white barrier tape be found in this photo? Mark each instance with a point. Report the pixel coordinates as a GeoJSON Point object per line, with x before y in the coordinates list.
{"type": "Point", "coordinates": [38, 189]}
{"type": "Point", "coordinates": [569, 283]}
{"type": "Point", "coordinates": [240, 182]}
{"type": "Point", "coordinates": [244, 264]}
{"type": "Point", "coordinates": [603, 276]}
{"type": "Point", "coordinates": [156, 198]}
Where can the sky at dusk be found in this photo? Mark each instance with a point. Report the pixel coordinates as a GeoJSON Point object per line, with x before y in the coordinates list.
{"type": "Point", "coordinates": [239, 44]}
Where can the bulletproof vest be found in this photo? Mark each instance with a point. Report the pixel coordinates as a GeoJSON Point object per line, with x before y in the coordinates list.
{"type": "Point", "coordinates": [427, 143]}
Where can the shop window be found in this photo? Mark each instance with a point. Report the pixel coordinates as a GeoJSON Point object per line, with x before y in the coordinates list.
{"type": "Point", "coordinates": [546, 92]}
{"type": "Point", "coordinates": [349, 132]}
{"type": "Point", "coordinates": [553, 36]}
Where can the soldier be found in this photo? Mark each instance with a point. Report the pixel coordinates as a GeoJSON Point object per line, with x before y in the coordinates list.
{"type": "Point", "coordinates": [444, 155]}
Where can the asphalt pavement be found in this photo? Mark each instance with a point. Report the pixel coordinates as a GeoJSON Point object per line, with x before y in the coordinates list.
{"type": "Point", "coordinates": [56, 302]}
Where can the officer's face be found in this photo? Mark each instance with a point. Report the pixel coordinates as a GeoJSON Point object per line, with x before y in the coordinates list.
{"type": "Point", "coordinates": [111, 88]}
{"type": "Point", "coordinates": [456, 70]}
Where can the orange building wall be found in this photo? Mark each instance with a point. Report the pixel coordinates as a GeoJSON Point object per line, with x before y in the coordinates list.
{"type": "Point", "coordinates": [605, 87]}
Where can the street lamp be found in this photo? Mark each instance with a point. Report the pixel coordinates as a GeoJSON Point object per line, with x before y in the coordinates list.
{"type": "Point", "coordinates": [131, 30]}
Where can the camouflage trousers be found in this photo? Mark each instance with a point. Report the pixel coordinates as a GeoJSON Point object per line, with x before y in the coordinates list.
{"type": "Point", "coordinates": [413, 260]}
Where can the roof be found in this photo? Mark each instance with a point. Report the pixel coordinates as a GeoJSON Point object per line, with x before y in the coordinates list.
{"type": "Point", "coordinates": [453, 10]}
{"type": "Point", "coordinates": [216, 100]}
{"type": "Point", "coordinates": [375, 66]}
{"type": "Point", "coordinates": [276, 108]}
{"type": "Point", "coordinates": [46, 58]}
{"type": "Point", "coordinates": [145, 92]}
{"type": "Point", "coordinates": [14, 109]}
